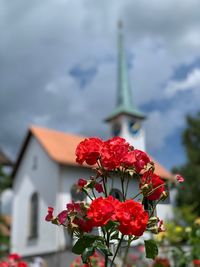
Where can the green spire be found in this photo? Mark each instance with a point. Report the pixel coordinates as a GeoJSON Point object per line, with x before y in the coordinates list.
{"type": "Point", "coordinates": [124, 98]}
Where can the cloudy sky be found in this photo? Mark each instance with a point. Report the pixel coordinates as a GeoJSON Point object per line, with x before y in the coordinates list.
{"type": "Point", "coordinates": [58, 67]}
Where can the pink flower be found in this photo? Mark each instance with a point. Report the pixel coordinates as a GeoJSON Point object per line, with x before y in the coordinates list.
{"type": "Point", "coordinates": [62, 216]}
{"type": "Point", "coordinates": [49, 216]}
{"type": "Point", "coordinates": [179, 178]}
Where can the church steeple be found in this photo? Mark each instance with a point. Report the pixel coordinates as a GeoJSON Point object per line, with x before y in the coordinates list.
{"type": "Point", "coordinates": [126, 119]}
{"type": "Point", "coordinates": [125, 104]}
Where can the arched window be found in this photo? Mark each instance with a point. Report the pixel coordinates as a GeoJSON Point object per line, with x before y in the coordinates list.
{"type": "Point", "coordinates": [33, 220]}
{"type": "Point", "coordinates": [116, 193]}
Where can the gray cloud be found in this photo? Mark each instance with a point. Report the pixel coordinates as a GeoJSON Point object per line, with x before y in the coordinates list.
{"type": "Point", "coordinates": [42, 42]}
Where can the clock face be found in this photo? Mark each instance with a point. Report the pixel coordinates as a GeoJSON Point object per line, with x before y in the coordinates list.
{"type": "Point", "coordinates": [116, 129]}
{"type": "Point", "coordinates": [134, 127]}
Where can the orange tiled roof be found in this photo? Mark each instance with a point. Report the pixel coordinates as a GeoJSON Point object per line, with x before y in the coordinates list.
{"type": "Point", "coordinates": [61, 148]}
{"type": "Point", "coordinates": [59, 145]}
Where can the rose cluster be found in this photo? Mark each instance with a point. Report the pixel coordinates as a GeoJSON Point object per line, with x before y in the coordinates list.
{"type": "Point", "coordinates": [13, 260]}
{"type": "Point", "coordinates": [117, 154]}
{"type": "Point", "coordinates": [130, 216]}
{"type": "Point", "coordinates": [95, 261]}
{"type": "Point", "coordinates": [113, 159]}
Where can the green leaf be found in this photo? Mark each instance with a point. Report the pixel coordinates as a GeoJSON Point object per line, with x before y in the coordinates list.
{"type": "Point", "coordinates": [86, 254]}
{"type": "Point", "coordinates": [105, 250]}
{"type": "Point", "coordinates": [115, 235]}
{"type": "Point", "coordinates": [83, 243]}
{"type": "Point", "coordinates": [111, 225]}
{"type": "Point", "coordinates": [151, 249]}
{"type": "Point", "coordinates": [79, 247]}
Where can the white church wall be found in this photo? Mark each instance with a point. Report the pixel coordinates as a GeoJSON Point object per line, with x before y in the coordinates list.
{"type": "Point", "coordinates": [42, 179]}
{"type": "Point", "coordinates": [69, 176]}
{"type": "Point", "coordinates": [137, 140]}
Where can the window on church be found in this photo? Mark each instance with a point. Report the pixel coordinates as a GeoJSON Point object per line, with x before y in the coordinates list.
{"type": "Point", "coordinates": [77, 195]}
{"type": "Point", "coordinates": [116, 193]}
{"type": "Point", "coordinates": [35, 163]}
{"type": "Point", "coordinates": [33, 219]}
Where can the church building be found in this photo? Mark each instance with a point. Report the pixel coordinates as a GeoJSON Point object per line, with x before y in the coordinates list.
{"type": "Point", "coordinates": [46, 172]}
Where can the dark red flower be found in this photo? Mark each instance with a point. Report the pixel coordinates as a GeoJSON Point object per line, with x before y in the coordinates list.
{"type": "Point", "coordinates": [89, 151]}
{"type": "Point", "coordinates": [85, 225]}
{"type": "Point", "coordinates": [164, 262]}
{"type": "Point", "coordinates": [62, 216]}
{"type": "Point", "coordinates": [132, 218]}
{"type": "Point", "coordinates": [141, 160]}
{"type": "Point", "coordinates": [102, 210]}
{"type": "Point", "coordinates": [82, 182]}
{"type": "Point", "coordinates": [98, 187]}
{"type": "Point", "coordinates": [156, 183]}
{"type": "Point", "coordinates": [49, 216]}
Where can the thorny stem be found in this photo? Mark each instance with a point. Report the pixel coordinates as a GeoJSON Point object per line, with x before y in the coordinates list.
{"type": "Point", "coordinates": [93, 193]}
{"type": "Point", "coordinates": [154, 189]}
{"type": "Point", "coordinates": [85, 191]}
{"type": "Point", "coordinates": [154, 207]}
{"type": "Point", "coordinates": [122, 184]}
{"type": "Point", "coordinates": [137, 195]}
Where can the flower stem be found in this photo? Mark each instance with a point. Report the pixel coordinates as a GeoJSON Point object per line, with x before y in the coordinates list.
{"type": "Point", "coordinates": [118, 246]}
{"type": "Point", "coordinates": [126, 252]}
{"type": "Point", "coordinates": [126, 190]}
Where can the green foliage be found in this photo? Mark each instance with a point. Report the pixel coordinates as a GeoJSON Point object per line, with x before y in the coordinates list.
{"type": "Point", "coordinates": [151, 249]}
{"type": "Point", "coordinates": [188, 193]}
{"type": "Point", "coordinates": [5, 180]}
{"type": "Point", "coordinates": [87, 244]}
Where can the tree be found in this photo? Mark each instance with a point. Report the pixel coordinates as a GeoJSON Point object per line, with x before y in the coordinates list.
{"type": "Point", "coordinates": [189, 193]}
{"type": "Point", "coordinates": [5, 182]}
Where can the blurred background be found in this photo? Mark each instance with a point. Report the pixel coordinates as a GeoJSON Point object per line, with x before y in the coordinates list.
{"type": "Point", "coordinates": [58, 69]}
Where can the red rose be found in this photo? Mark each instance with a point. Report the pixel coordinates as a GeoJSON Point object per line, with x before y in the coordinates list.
{"type": "Point", "coordinates": [129, 159]}
{"type": "Point", "coordinates": [49, 216]}
{"type": "Point", "coordinates": [155, 182]}
{"type": "Point", "coordinates": [14, 256]}
{"type": "Point", "coordinates": [102, 210]}
{"type": "Point", "coordinates": [113, 152]}
{"type": "Point", "coordinates": [89, 151]}
{"type": "Point", "coordinates": [196, 263]}
{"type": "Point", "coordinates": [142, 160]}
{"type": "Point", "coordinates": [132, 218]}
{"type": "Point", "coordinates": [22, 264]}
